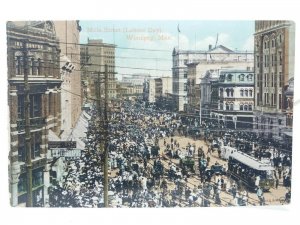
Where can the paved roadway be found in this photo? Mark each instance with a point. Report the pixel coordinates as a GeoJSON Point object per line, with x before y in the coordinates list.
{"type": "Point", "coordinates": [271, 198]}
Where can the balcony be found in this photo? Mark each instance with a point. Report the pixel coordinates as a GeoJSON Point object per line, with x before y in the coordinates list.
{"type": "Point", "coordinates": [35, 123]}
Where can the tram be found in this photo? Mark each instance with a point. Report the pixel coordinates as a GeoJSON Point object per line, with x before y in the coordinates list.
{"type": "Point", "coordinates": [250, 171]}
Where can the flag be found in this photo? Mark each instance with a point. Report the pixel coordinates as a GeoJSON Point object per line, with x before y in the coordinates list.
{"type": "Point", "coordinates": [178, 28]}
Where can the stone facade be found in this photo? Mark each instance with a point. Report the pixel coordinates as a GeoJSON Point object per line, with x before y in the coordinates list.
{"type": "Point", "coordinates": [214, 58]}
{"type": "Point", "coordinates": [45, 107]}
{"type": "Point", "coordinates": [235, 99]}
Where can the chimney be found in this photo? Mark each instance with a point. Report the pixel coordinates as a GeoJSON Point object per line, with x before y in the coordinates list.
{"type": "Point", "coordinates": [209, 47]}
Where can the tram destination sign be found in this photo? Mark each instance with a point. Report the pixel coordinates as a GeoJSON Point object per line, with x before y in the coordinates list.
{"type": "Point", "coordinates": [61, 144]}
{"type": "Point", "coordinates": [67, 153]}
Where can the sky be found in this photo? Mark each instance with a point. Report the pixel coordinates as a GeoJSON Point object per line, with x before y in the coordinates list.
{"type": "Point", "coordinates": [163, 36]}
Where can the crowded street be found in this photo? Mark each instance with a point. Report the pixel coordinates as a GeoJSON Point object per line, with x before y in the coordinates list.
{"type": "Point", "coordinates": [158, 159]}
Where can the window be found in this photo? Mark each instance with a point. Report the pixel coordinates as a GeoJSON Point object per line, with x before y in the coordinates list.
{"type": "Point", "coordinates": [221, 92]}
{"type": "Point", "coordinates": [250, 93]}
{"type": "Point", "coordinates": [280, 38]}
{"type": "Point", "coordinates": [20, 106]}
{"type": "Point", "coordinates": [22, 184]}
{"type": "Point", "coordinates": [280, 101]}
{"type": "Point", "coordinates": [241, 107]}
{"type": "Point", "coordinates": [250, 107]}
{"type": "Point", "coordinates": [246, 93]}
{"type": "Point", "coordinates": [231, 92]}
{"type": "Point", "coordinates": [265, 80]}
{"type": "Point", "coordinates": [185, 74]}
{"type": "Point", "coordinates": [227, 92]}
{"type": "Point", "coordinates": [21, 148]}
{"type": "Point", "coordinates": [242, 92]}
{"type": "Point", "coordinates": [231, 106]}
{"type": "Point", "coordinates": [36, 141]}
{"type": "Point", "coordinates": [229, 77]}
{"type": "Point", "coordinates": [35, 106]}
{"type": "Point", "coordinates": [242, 77]}
{"type": "Point", "coordinates": [37, 178]}
{"type": "Point", "coordinates": [280, 57]}
{"type": "Point", "coordinates": [280, 79]}
{"type": "Point", "coordinates": [19, 65]}
{"type": "Point", "coordinates": [250, 77]}
{"type": "Point", "coordinates": [227, 106]}
{"type": "Point", "coordinates": [246, 107]}
{"type": "Point", "coordinates": [185, 86]}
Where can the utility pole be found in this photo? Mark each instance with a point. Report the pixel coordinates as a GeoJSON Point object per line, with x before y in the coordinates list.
{"type": "Point", "coordinates": [106, 138]}
{"type": "Point", "coordinates": [27, 126]}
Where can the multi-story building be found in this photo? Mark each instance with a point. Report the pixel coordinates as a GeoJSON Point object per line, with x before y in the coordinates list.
{"type": "Point", "coordinates": [159, 89]}
{"type": "Point", "coordinates": [214, 58]}
{"type": "Point", "coordinates": [95, 55]}
{"type": "Point", "coordinates": [152, 91]}
{"type": "Point", "coordinates": [274, 67]}
{"type": "Point", "coordinates": [68, 34]}
{"type": "Point", "coordinates": [45, 107]}
{"type": "Point", "coordinates": [126, 89]}
{"type": "Point", "coordinates": [136, 79]}
{"type": "Point", "coordinates": [235, 99]}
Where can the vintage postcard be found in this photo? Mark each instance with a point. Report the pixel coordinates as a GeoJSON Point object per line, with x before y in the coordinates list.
{"type": "Point", "coordinates": [140, 114]}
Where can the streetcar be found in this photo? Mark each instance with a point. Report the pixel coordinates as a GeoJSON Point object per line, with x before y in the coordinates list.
{"type": "Point", "coordinates": [247, 170]}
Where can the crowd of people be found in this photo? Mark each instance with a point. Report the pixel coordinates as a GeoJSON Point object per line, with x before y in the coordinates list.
{"type": "Point", "coordinates": [142, 173]}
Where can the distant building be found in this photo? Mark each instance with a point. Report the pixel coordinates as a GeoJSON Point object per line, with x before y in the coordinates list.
{"type": "Point", "coordinates": [94, 56]}
{"type": "Point", "coordinates": [152, 91]}
{"type": "Point", "coordinates": [45, 106]}
{"type": "Point", "coordinates": [136, 79]}
{"type": "Point", "coordinates": [210, 78]}
{"type": "Point", "coordinates": [235, 99]}
{"type": "Point", "coordinates": [274, 69]}
{"type": "Point", "coordinates": [159, 88]}
{"type": "Point", "coordinates": [126, 89]}
{"type": "Point", "coordinates": [215, 58]}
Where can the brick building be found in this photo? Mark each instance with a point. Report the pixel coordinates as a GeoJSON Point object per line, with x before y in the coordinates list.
{"type": "Point", "coordinates": [45, 107]}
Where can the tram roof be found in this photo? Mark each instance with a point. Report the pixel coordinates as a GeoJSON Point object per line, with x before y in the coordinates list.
{"type": "Point", "coordinates": [251, 161]}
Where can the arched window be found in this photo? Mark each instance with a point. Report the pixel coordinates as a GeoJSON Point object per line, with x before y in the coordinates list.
{"type": "Point", "coordinates": [231, 92]}
{"type": "Point", "coordinates": [246, 93]}
{"type": "Point", "coordinates": [229, 77]}
{"type": "Point", "coordinates": [221, 92]}
{"type": "Point", "coordinates": [241, 107]}
{"type": "Point", "coordinates": [231, 106]}
{"type": "Point", "coordinates": [250, 92]}
{"type": "Point", "coordinates": [246, 107]}
{"type": "Point", "coordinates": [242, 77]}
{"type": "Point", "coordinates": [242, 92]}
{"type": "Point", "coordinates": [227, 92]}
{"type": "Point", "coordinates": [19, 66]}
{"type": "Point", "coordinates": [250, 77]}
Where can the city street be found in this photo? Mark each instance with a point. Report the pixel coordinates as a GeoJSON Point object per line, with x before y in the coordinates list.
{"type": "Point", "coordinates": [143, 172]}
